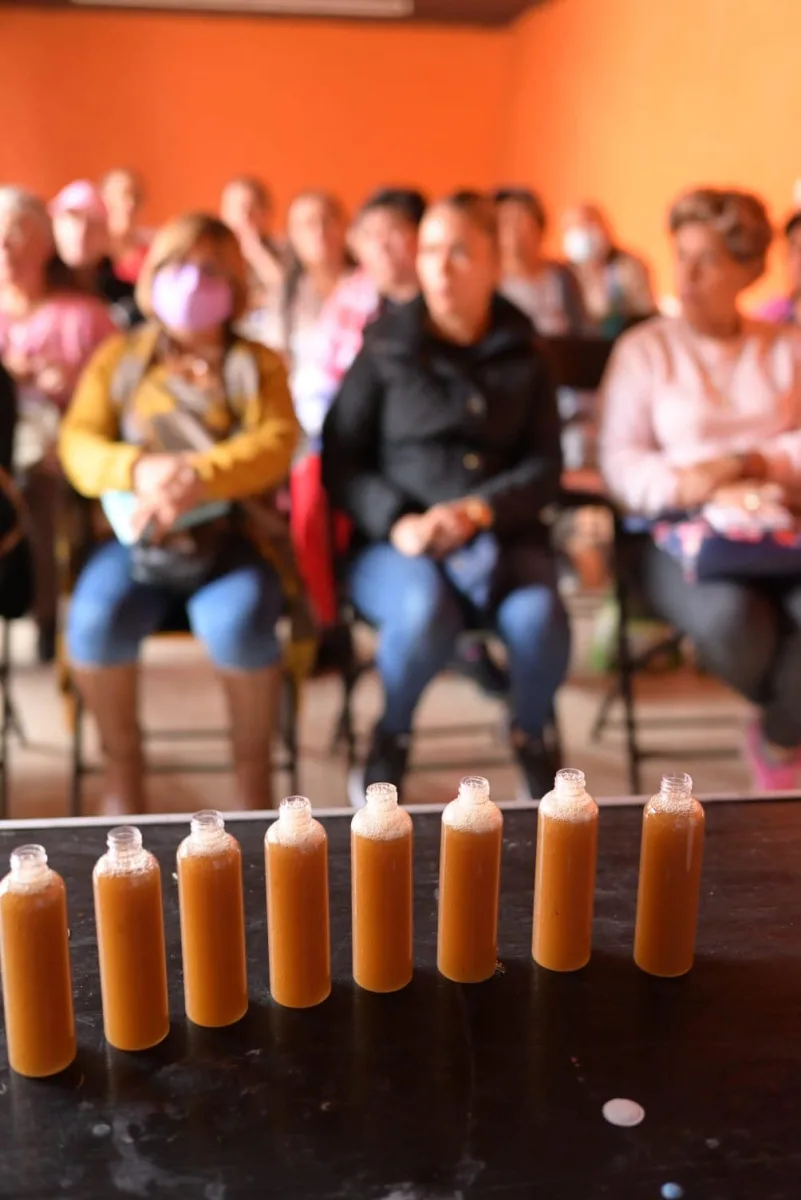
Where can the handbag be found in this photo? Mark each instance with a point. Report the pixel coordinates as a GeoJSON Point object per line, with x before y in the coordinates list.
{"type": "Point", "coordinates": [743, 551]}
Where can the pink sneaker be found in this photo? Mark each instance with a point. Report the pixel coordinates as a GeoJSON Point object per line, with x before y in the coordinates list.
{"type": "Point", "coordinates": [768, 776]}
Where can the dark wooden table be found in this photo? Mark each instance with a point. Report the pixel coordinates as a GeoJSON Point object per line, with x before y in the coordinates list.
{"type": "Point", "coordinates": [443, 1092]}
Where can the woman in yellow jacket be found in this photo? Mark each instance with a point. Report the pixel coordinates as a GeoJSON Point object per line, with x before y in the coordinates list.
{"type": "Point", "coordinates": [176, 427]}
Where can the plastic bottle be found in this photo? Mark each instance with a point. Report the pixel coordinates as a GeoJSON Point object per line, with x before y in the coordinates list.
{"type": "Point", "coordinates": [212, 923]}
{"type": "Point", "coordinates": [34, 948]}
{"type": "Point", "coordinates": [564, 881]}
{"type": "Point", "coordinates": [296, 856]}
{"type": "Point", "coordinates": [469, 884]}
{"type": "Point", "coordinates": [670, 879]}
{"type": "Point", "coordinates": [381, 890]}
{"type": "Point", "coordinates": [130, 942]}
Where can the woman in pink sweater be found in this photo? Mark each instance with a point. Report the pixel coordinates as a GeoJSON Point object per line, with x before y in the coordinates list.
{"type": "Point", "coordinates": [48, 330]}
{"type": "Point", "coordinates": [707, 406]}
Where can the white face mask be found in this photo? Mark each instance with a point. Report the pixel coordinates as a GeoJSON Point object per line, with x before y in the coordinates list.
{"type": "Point", "coordinates": [580, 244]}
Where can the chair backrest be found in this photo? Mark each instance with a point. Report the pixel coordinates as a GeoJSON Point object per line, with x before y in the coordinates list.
{"type": "Point", "coordinates": [576, 362]}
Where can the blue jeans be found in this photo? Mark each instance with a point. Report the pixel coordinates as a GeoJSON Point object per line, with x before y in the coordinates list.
{"type": "Point", "coordinates": [420, 615]}
{"type": "Point", "coordinates": [234, 614]}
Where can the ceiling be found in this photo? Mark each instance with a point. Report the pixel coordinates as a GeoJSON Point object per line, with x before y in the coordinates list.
{"type": "Point", "coordinates": [464, 12]}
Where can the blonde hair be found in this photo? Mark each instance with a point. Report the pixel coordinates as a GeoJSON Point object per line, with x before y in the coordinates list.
{"type": "Point", "coordinates": [740, 218]}
{"type": "Point", "coordinates": [177, 239]}
{"type": "Point", "coordinates": [19, 202]}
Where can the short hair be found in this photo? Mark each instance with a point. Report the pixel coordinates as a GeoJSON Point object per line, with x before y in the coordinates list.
{"type": "Point", "coordinates": [18, 201]}
{"type": "Point", "coordinates": [407, 203]}
{"type": "Point", "coordinates": [740, 218]}
{"type": "Point", "coordinates": [178, 238]}
{"type": "Point", "coordinates": [793, 223]}
{"type": "Point", "coordinates": [526, 199]}
{"type": "Point", "coordinates": [258, 190]}
{"type": "Point", "coordinates": [476, 207]}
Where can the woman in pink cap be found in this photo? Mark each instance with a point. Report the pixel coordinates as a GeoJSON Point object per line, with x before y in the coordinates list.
{"type": "Point", "coordinates": [83, 243]}
{"type": "Point", "coordinates": [48, 330]}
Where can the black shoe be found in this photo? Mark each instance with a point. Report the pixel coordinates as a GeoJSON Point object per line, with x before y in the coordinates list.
{"type": "Point", "coordinates": [536, 762]}
{"type": "Point", "coordinates": [335, 651]}
{"type": "Point", "coordinates": [475, 663]}
{"type": "Point", "coordinates": [46, 643]}
{"type": "Point", "coordinates": [386, 763]}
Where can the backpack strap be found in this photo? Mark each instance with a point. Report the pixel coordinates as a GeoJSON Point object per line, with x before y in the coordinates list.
{"type": "Point", "coordinates": [240, 373]}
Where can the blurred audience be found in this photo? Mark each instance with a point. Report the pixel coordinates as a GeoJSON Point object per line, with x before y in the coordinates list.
{"type": "Point", "coordinates": [384, 241]}
{"type": "Point", "coordinates": [546, 291]}
{"type": "Point", "coordinates": [443, 447]}
{"type": "Point", "coordinates": [246, 207]}
{"type": "Point", "coordinates": [183, 379]}
{"type": "Point", "coordinates": [83, 243]}
{"type": "Point", "coordinates": [48, 329]}
{"type": "Point", "coordinates": [615, 283]}
{"type": "Point", "coordinates": [123, 195]}
{"type": "Point", "coordinates": [787, 308]}
{"type": "Point", "coordinates": [704, 407]}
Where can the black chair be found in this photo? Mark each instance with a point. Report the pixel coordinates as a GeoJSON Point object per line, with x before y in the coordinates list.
{"type": "Point", "coordinates": [75, 546]}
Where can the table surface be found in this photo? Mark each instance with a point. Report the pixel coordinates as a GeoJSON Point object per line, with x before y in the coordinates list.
{"type": "Point", "coordinates": [447, 1092]}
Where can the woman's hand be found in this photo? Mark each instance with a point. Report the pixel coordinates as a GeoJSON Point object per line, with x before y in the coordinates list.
{"type": "Point", "coordinates": [440, 531]}
{"type": "Point", "coordinates": [171, 488]}
{"type": "Point", "coordinates": [698, 483]}
{"type": "Point", "coordinates": [765, 504]}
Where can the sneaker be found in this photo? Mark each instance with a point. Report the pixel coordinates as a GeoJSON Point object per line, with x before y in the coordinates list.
{"type": "Point", "coordinates": [769, 776]}
{"type": "Point", "coordinates": [474, 662]}
{"type": "Point", "coordinates": [386, 763]}
{"type": "Point", "coordinates": [536, 763]}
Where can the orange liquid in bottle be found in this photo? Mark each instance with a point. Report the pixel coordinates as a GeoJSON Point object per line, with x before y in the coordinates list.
{"type": "Point", "coordinates": [130, 942]}
{"type": "Point", "coordinates": [469, 885]}
{"type": "Point", "coordinates": [34, 947]}
{"type": "Point", "coordinates": [212, 923]}
{"type": "Point", "coordinates": [564, 884]}
{"type": "Point", "coordinates": [670, 879]}
{"type": "Point", "coordinates": [381, 875]}
{"type": "Point", "coordinates": [296, 854]}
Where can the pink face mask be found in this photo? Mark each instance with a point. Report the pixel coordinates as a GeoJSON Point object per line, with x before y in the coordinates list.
{"type": "Point", "coordinates": [184, 298]}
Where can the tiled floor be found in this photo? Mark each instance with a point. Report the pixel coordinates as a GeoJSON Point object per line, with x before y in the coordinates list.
{"type": "Point", "coordinates": [179, 691]}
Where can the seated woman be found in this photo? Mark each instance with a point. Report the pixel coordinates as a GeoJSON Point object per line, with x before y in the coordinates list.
{"type": "Point", "coordinates": [123, 195]}
{"type": "Point", "coordinates": [183, 365]}
{"type": "Point", "coordinates": [705, 406]}
{"type": "Point", "coordinates": [787, 308]}
{"type": "Point", "coordinates": [616, 284]}
{"type": "Point", "coordinates": [443, 447]}
{"type": "Point", "coordinates": [48, 330]}
{"type": "Point", "coordinates": [546, 291]}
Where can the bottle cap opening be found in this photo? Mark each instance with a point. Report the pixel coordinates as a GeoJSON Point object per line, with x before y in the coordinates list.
{"type": "Point", "coordinates": [474, 789]}
{"type": "Point", "coordinates": [382, 795]}
{"type": "Point", "coordinates": [295, 811]}
{"type": "Point", "coordinates": [28, 862]}
{"type": "Point", "coordinates": [207, 823]}
{"type": "Point", "coordinates": [124, 840]}
{"type": "Point", "coordinates": [676, 785]}
{"type": "Point", "coordinates": [569, 782]}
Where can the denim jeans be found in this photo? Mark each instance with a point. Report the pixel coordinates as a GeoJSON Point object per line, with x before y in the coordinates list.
{"type": "Point", "coordinates": [234, 614]}
{"type": "Point", "coordinates": [420, 614]}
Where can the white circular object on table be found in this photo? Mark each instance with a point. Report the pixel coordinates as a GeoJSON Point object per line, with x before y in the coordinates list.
{"type": "Point", "coordinates": [625, 1113]}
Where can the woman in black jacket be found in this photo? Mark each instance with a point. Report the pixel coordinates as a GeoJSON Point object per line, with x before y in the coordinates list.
{"type": "Point", "coordinates": [443, 447]}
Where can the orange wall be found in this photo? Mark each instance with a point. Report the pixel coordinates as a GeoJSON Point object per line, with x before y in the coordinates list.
{"type": "Point", "coordinates": [193, 99]}
{"type": "Point", "coordinates": [629, 101]}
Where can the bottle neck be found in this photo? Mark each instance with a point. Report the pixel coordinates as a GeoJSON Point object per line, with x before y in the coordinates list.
{"type": "Point", "coordinates": [381, 797]}
{"type": "Point", "coordinates": [474, 791]}
{"type": "Point", "coordinates": [125, 850]}
{"type": "Point", "coordinates": [676, 789]}
{"type": "Point", "coordinates": [295, 814]}
{"type": "Point", "coordinates": [207, 827]}
{"type": "Point", "coordinates": [569, 784]}
{"type": "Point", "coordinates": [29, 865]}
